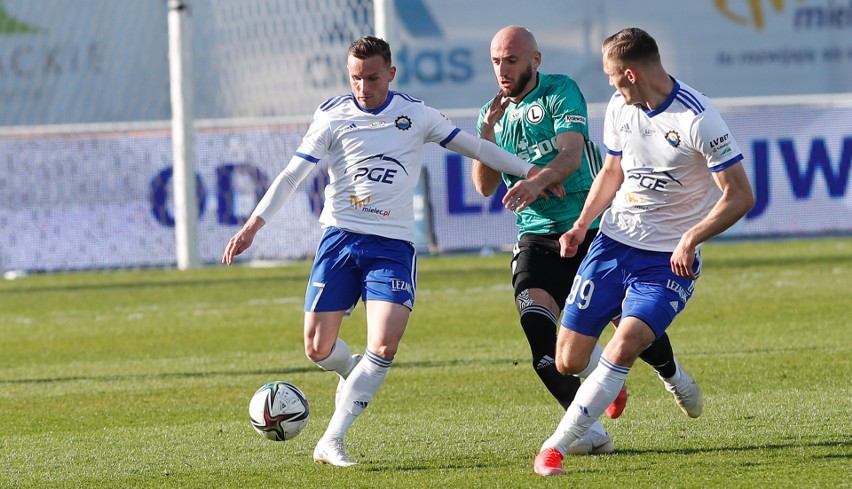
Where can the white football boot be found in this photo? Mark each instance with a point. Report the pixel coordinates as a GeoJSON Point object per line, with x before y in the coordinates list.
{"type": "Point", "coordinates": [596, 441]}
{"type": "Point", "coordinates": [686, 393]}
{"type": "Point", "coordinates": [332, 452]}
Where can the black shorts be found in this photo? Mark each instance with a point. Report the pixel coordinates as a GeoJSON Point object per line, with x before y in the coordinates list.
{"type": "Point", "coordinates": [536, 264]}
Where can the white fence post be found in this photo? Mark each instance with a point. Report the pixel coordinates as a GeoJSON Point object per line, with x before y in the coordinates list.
{"type": "Point", "coordinates": [183, 176]}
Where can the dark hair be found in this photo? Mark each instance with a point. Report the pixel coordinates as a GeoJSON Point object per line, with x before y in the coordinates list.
{"type": "Point", "coordinates": [369, 46]}
{"type": "Point", "coordinates": [631, 45]}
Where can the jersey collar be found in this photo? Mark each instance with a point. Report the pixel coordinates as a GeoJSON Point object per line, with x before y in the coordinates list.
{"type": "Point", "coordinates": [378, 109]}
{"type": "Point", "coordinates": [534, 90]}
{"type": "Point", "coordinates": [665, 105]}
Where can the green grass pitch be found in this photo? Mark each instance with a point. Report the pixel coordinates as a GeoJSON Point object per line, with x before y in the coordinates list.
{"type": "Point", "coordinates": [142, 379]}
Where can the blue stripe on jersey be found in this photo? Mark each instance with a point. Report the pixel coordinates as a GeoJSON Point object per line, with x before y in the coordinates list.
{"type": "Point", "coordinates": [666, 103]}
{"type": "Point", "coordinates": [722, 166]}
{"type": "Point", "coordinates": [609, 151]}
{"type": "Point", "coordinates": [690, 102]}
{"type": "Point", "coordinates": [616, 368]}
{"type": "Point", "coordinates": [307, 157]}
{"type": "Point", "coordinates": [378, 109]}
{"type": "Point", "coordinates": [335, 101]}
{"type": "Point", "coordinates": [689, 105]}
{"type": "Point", "coordinates": [691, 96]}
{"type": "Point", "coordinates": [450, 137]}
{"type": "Point", "coordinates": [409, 97]}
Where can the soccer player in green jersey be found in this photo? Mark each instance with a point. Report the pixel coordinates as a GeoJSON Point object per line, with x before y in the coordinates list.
{"type": "Point", "coordinates": [542, 118]}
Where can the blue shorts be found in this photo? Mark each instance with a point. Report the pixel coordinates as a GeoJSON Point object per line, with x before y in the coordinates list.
{"type": "Point", "coordinates": [619, 280]}
{"type": "Point", "coordinates": [351, 265]}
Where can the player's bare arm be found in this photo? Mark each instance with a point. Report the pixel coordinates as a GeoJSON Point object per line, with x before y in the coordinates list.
{"type": "Point", "coordinates": [567, 161]}
{"type": "Point", "coordinates": [737, 199]}
{"type": "Point", "coordinates": [243, 239]}
{"type": "Point", "coordinates": [485, 179]}
{"type": "Point", "coordinates": [603, 190]}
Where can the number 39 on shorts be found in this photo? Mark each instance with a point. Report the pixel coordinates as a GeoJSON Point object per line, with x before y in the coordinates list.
{"type": "Point", "coordinates": [581, 292]}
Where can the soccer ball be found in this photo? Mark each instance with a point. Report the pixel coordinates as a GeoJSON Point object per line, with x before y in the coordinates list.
{"type": "Point", "coordinates": [279, 411]}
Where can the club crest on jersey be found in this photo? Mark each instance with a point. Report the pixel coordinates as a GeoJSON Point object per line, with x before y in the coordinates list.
{"type": "Point", "coordinates": [673, 138]}
{"type": "Point", "coordinates": [535, 114]}
{"type": "Point", "coordinates": [403, 123]}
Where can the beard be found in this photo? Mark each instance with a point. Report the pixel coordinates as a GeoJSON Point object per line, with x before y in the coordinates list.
{"type": "Point", "coordinates": [523, 80]}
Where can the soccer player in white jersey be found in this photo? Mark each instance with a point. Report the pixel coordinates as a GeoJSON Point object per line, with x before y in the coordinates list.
{"type": "Point", "coordinates": [673, 178]}
{"type": "Point", "coordinates": [373, 140]}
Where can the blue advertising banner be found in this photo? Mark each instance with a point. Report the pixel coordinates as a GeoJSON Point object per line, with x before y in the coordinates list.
{"type": "Point", "coordinates": [104, 201]}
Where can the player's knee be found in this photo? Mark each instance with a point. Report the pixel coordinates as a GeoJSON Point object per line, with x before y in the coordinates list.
{"type": "Point", "coordinates": [316, 353]}
{"type": "Point", "coordinates": [385, 351]}
{"type": "Point", "coordinates": [570, 365]}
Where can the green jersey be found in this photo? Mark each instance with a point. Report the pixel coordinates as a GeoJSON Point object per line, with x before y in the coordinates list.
{"type": "Point", "coordinates": [528, 129]}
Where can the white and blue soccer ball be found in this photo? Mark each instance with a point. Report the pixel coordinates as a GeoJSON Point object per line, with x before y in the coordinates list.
{"type": "Point", "coordinates": [279, 411]}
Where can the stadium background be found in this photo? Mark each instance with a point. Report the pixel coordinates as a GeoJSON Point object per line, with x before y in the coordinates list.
{"type": "Point", "coordinates": [85, 145]}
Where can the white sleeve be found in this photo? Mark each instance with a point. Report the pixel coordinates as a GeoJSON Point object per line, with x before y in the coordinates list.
{"type": "Point", "coordinates": [611, 141]}
{"type": "Point", "coordinates": [489, 153]}
{"type": "Point", "coordinates": [283, 186]}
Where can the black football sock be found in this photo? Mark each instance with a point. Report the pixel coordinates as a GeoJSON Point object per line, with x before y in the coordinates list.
{"type": "Point", "coordinates": [660, 356]}
{"type": "Point", "coordinates": [540, 328]}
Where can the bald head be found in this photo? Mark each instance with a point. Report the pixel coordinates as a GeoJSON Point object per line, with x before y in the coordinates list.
{"type": "Point", "coordinates": [515, 38]}
{"type": "Point", "coordinates": [515, 58]}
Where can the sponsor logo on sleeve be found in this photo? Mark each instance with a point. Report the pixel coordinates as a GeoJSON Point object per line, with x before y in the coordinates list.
{"type": "Point", "coordinates": [721, 145]}
{"type": "Point", "coordinates": [575, 119]}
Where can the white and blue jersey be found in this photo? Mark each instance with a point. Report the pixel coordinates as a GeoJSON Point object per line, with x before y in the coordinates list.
{"type": "Point", "coordinates": [374, 159]}
{"type": "Point", "coordinates": [667, 156]}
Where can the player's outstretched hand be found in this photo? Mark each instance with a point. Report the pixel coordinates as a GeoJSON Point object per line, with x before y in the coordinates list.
{"type": "Point", "coordinates": [242, 240]}
{"type": "Point", "coordinates": [524, 192]}
{"type": "Point", "coordinates": [236, 245]}
{"type": "Point", "coordinates": [571, 241]}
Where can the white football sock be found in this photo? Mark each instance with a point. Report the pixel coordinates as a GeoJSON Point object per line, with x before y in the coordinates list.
{"type": "Point", "coordinates": [339, 360]}
{"type": "Point", "coordinates": [595, 394]}
{"type": "Point", "coordinates": [594, 358]}
{"type": "Point", "coordinates": [357, 392]}
{"type": "Point", "coordinates": [674, 379]}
